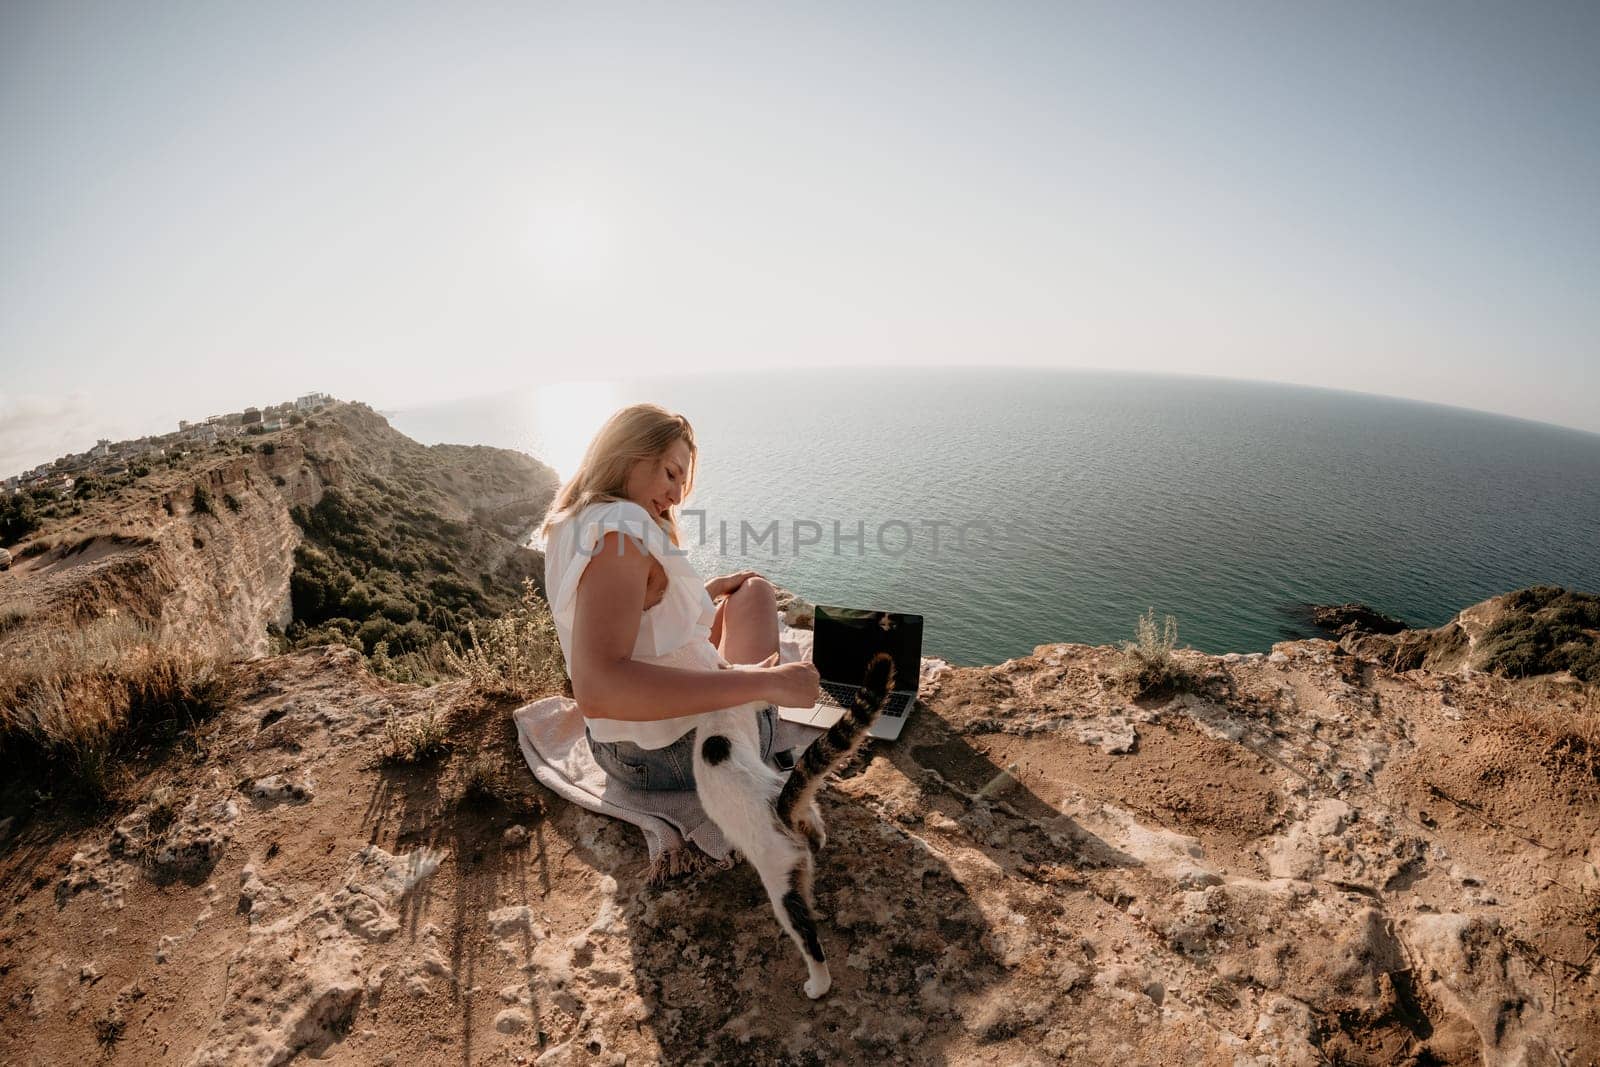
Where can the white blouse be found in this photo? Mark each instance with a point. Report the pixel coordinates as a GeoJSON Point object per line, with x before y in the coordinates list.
{"type": "Point", "coordinates": [675, 632]}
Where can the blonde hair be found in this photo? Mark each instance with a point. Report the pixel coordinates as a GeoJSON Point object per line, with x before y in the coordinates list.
{"type": "Point", "coordinates": [643, 431]}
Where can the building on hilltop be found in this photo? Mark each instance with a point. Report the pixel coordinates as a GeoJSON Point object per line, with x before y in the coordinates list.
{"type": "Point", "coordinates": [252, 416]}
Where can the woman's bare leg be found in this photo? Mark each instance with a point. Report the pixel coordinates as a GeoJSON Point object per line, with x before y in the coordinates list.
{"type": "Point", "coordinates": [716, 623]}
{"type": "Point", "coordinates": [750, 622]}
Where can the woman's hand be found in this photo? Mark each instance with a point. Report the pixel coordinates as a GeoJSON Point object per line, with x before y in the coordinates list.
{"type": "Point", "coordinates": [717, 588]}
{"type": "Point", "coordinates": [793, 685]}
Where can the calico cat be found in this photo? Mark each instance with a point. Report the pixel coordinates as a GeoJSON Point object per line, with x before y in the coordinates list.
{"type": "Point", "coordinates": [776, 824]}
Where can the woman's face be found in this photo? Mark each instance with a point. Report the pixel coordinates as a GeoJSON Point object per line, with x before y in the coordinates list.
{"type": "Point", "coordinates": [657, 484]}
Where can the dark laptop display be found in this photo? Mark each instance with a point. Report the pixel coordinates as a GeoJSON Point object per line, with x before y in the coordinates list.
{"type": "Point", "coordinates": [846, 639]}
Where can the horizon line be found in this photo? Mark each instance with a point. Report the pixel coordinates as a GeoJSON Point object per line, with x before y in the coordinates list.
{"type": "Point", "coordinates": [912, 367]}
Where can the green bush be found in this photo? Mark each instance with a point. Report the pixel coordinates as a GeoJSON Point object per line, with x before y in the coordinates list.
{"type": "Point", "coordinates": [19, 517]}
{"type": "Point", "coordinates": [1544, 629]}
{"type": "Point", "coordinates": [202, 500]}
{"type": "Point", "coordinates": [379, 555]}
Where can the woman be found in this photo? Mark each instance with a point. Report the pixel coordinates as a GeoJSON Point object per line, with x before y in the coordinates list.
{"type": "Point", "coordinates": [647, 643]}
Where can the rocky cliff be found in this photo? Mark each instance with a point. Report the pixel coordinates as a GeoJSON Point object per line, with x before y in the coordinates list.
{"type": "Point", "coordinates": [1307, 857]}
{"type": "Point", "coordinates": [204, 551]}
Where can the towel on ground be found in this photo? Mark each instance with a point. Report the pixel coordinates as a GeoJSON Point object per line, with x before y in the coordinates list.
{"type": "Point", "coordinates": [679, 836]}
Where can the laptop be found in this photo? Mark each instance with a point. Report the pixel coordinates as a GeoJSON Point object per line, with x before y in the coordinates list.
{"type": "Point", "coordinates": [844, 640]}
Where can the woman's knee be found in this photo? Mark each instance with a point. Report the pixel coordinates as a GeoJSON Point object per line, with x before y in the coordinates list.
{"type": "Point", "coordinates": [756, 589]}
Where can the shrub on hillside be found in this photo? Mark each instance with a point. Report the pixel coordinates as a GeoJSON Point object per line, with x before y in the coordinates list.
{"type": "Point", "coordinates": [202, 500]}
{"type": "Point", "coordinates": [1544, 629]}
{"type": "Point", "coordinates": [413, 739]}
{"type": "Point", "coordinates": [517, 654]}
{"type": "Point", "coordinates": [382, 563]}
{"type": "Point", "coordinates": [19, 517]}
{"type": "Point", "coordinates": [1147, 666]}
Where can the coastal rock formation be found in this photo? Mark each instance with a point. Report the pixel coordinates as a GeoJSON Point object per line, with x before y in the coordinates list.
{"type": "Point", "coordinates": [1302, 858]}
{"type": "Point", "coordinates": [1344, 619]}
{"type": "Point", "coordinates": [1536, 631]}
{"type": "Point", "coordinates": [204, 553]}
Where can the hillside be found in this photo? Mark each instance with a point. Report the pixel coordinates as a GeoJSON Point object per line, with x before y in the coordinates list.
{"type": "Point", "coordinates": [208, 550]}
{"type": "Point", "coordinates": [1318, 855]}
{"type": "Point", "coordinates": [1541, 630]}
{"type": "Point", "coordinates": [1312, 859]}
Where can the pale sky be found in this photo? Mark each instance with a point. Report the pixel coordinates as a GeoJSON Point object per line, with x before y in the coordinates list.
{"type": "Point", "coordinates": [204, 206]}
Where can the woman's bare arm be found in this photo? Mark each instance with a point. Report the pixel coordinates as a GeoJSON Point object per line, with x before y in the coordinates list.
{"type": "Point", "coordinates": [607, 682]}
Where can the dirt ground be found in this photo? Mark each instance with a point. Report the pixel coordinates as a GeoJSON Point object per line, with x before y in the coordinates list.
{"type": "Point", "coordinates": [1309, 860]}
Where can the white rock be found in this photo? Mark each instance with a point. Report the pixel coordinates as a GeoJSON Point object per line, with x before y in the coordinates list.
{"type": "Point", "coordinates": [512, 1021]}
{"type": "Point", "coordinates": [1112, 735]}
{"type": "Point", "coordinates": [277, 789]}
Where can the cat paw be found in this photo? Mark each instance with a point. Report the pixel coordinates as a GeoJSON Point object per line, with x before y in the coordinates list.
{"type": "Point", "coordinates": [810, 824]}
{"type": "Point", "coordinates": [814, 832]}
{"type": "Point", "coordinates": [816, 987]}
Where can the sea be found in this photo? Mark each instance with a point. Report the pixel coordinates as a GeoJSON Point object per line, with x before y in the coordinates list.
{"type": "Point", "coordinates": [1013, 508]}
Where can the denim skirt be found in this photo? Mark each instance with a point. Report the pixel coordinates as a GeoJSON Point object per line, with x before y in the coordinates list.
{"type": "Point", "coordinates": [666, 768]}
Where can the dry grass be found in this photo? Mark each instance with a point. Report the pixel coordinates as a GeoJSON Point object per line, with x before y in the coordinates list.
{"type": "Point", "coordinates": [1564, 732]}
{"type": "Point", "coordinates": [427, 666]}
{"type": "Point", "coordinates": [87, 700]}
{"type": "Point", "coordinates": [413, 739]}
{"type": "Point", "coordinates": [109, 1027]}
{"type": "Point", "coordinates": [12, 617]}
{"type": "Point", "coordinates": [517, 654]}
{"type": "Point", "coordinates": [479, 785]}
{"type": "Point", "coordinates": [163, 811]}
{"type": "Point", "coordinates": [35, 548]}
{"type": "Point", "coordinates": [1147, 666]}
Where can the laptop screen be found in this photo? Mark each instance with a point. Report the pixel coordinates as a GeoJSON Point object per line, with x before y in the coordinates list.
{"type": "Point", "coordinates": [845, 639]}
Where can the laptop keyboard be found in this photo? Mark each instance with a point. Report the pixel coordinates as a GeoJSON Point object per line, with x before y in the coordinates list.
{"type": "Point", "coordinates": [840, 695]}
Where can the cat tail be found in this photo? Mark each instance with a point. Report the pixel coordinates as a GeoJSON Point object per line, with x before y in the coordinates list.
{"type": "Point", "coordinates": [835, 746]}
